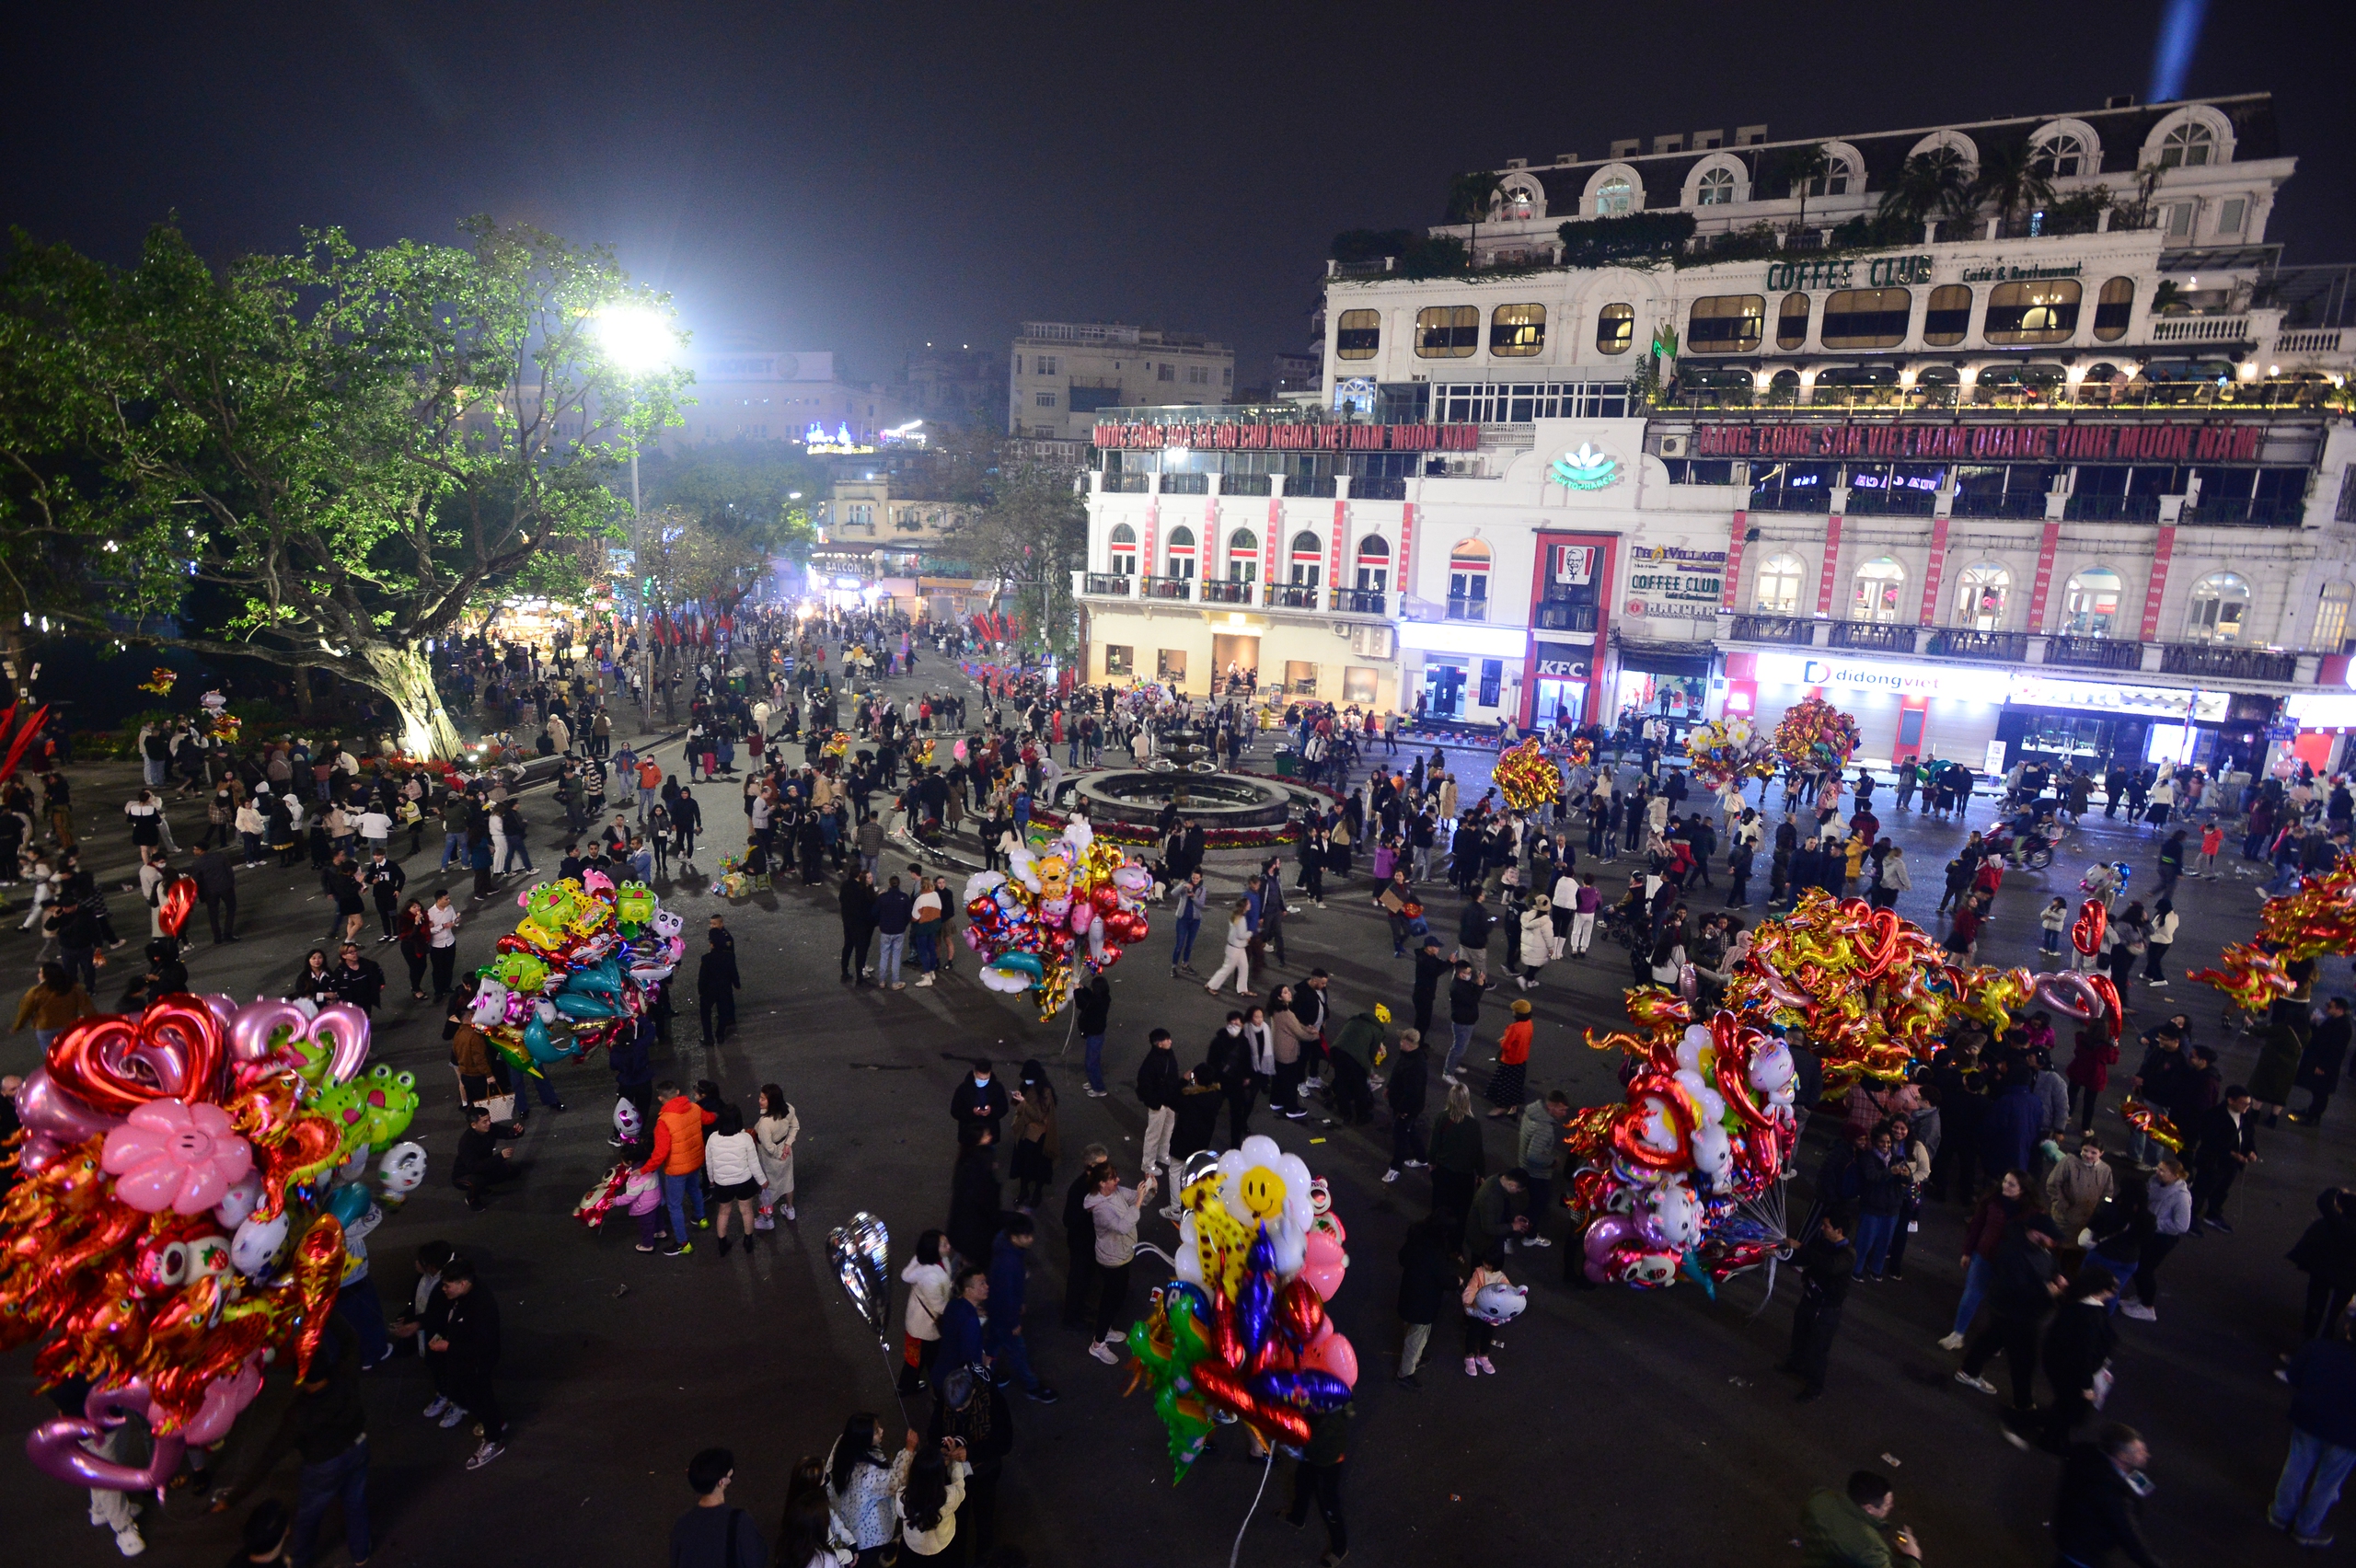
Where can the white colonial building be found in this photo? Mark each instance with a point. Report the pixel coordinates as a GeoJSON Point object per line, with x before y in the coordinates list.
{"type": "Point", "coordinates": [2079, 488]}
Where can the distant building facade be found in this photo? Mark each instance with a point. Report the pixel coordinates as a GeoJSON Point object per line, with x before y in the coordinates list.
{"type": "Point", "coordinates": [1061, 374]}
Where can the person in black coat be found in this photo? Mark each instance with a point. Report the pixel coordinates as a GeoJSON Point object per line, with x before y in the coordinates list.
{"type": "Point", "coordinates": [1429, 1283]}
{"type": "Point", "coordinates": [857, 904]}
{"type": "Point", "coordinates": [2102, 1487]}
{"type": "Point", "coordinates": [216, 884]}
{"type": "Point", "coordinates": [468, 1344]}
{"type": "Point", "coordinates": [2320, 1063]}
{"type": "Point", "coordinates": [2326, 1255]}
{"type": "Point", "coordinates": [2227, 1136]}
{"type": "Point", "coordinates": [1825, 1261]}
{"type": "Point", "coordinates": [1093, 1006]}
{"type": "Point", "coordinates": [1430, 970]}
{"type": "Point", "coordinates": [2021, 1289]}
{"type": "Point", "coordinates": [2077, 1345]}
{"type": "Point", "coordinates": [979, 1105]}
{"type": "Point", "coordinates": [1079, 1239]}
{"type": "Point", "coordinates": [165, 974]}
{"type": "Point", "coordinates": [716, 982]}
{"type": "Point", "coordinates": [974, 1198]}
{"type": "Point", "coordinates": [1405, 1092]}
{"type": "Point", "coordinates": [1226, 1062]}
{"type": "Point", "coordinates": [360, 981]}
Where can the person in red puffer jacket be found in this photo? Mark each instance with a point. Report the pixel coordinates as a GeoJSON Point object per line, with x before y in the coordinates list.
{"type": "Point", "coordinates": [678, 1159]}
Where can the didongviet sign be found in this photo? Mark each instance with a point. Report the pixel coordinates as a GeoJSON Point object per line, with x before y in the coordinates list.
{"type": "Point", "coordinates": [1224, 437]}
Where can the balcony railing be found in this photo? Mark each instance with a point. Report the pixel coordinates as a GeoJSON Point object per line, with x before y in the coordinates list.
{"type": "Point", "coordinates": [1185, 484]}
{"type": "Point", "coordinates": [1291, 596]}
{"type": "Point", "coordinates": [1385, 488]}
{"type": "Point", "coordinates": [1794, 632]}
{"type": "Point", "coordinates": [2014, 505]}
{"type": "Point", "coordinates": [2094, 653]}
{"type": "Point", "coordinates": [1127, 484]}
{"type": "Point", "coordinates": [1167, 588]}
{"type": "Point", "coordinates": [1802, 500]}
{"type": "Point", "coordinates": [1243, 484]}
{"type": "Point", "coordinates": [2200, 328]}
{"type": "Point", "coordinates": [1112, 585]}
{"type": "Point", "coordinates": [1358, 602]}
{"type": "Point", "coordinates": [1215, 591]}
{"type": "Point", "coordinates": [2261, 512]}
{"type": "Point", "coordinates": [2112, 509]}
{"type": "Point", "coordinates": [1467, 609]}
{"type": "Point", "coordinates": [1314, 485]}
{"type": "Point", "coordinates": [1566, 618]}
{"type": "Point", "coordinates": [1891, 503]}
{"type": "Point", "coordinates": [1886, 636]}
{"type": "Point", "coordinates": [2228, 664]}
{"type": "Point", "coordinates": [1961, 643]}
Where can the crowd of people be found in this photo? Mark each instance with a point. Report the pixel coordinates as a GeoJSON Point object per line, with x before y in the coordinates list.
{"type": "Point", "coordinates": [2067, 1219]}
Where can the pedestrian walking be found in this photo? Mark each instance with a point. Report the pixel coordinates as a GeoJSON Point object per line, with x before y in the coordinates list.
{"type": "Point", "coordinates": [1827, 1264]}
{"type": "Point", "coordinates": [2323, 1436]}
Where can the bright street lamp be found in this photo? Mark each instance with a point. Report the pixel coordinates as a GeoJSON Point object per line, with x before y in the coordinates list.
{"type": "Point", "coordinates": [640, 340]}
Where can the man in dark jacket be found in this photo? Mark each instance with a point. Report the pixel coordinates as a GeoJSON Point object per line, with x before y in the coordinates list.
{"type": "Point", "coordinates": [2323, 1436]}
{"type": "Point", "coordinates": [1472, 929]}
{"type": "Point", "coordinates": [383, 878]}
{"type": "Point", "coordinates": [1428, 1287]}
{"type": "Point", "coordinates": [360, 981]}
{"type": "Point", "coordinates": [633, 1065]}
{"type": "Point", "coordinates": [1405, 1093]}
{"type": "Point", "coordinates": [1825, 1261]}
{"type": "Point", "coordinates": [2021, 1290]}
{"type": "Point", "coordinates": [469, 1343]}
{"type": "Point", "coordinates": [2010, 1129]}
{"type": "Point", "coordinates": [328, 1425]}
{"type": "Point", "coordinates": [716, 982]}
{"type": "Point", "coordinates": [2102, 1487]}
{"type": "Point", "coordinates": [2321, 1062]}
{"type": "Point", "coordinates": [1226, 1062]}
{"type": "Point", "coordinates": [1002, 1333]}
{"type": "Point", "coordinates": [216, 884]}
{"type": "Point", "coordinates": [480, 1161]}
{"type": "Point", "coordinates": [1079, 1239]}
{"type": "Point", "coordinates": [1430, 970]}
{"type": "Point", "coordinates": [857, 903]}
{"type": "Point", "coordinates": [2227, 1142]}
{"type": "Point", "coordinates": [979, 1103]}
{"type": "Point", "coordinates": [1463, 1012]}
{"type": "Point", "coordinates": [1159, 1082]}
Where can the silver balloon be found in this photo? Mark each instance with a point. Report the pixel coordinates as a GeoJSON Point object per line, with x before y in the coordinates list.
{"type": "Point", "coordinates": [862, 1251]}
{"type": "Point", "coordinates": [1199, 1164]}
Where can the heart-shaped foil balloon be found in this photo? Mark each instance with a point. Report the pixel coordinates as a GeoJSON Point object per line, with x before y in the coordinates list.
{"type": "Point", "coordinates": [172, 909]}
{"type": "Point", "coordinates": [114, 1063]}
{"type": "Point", "coordinates": [861, 1252]}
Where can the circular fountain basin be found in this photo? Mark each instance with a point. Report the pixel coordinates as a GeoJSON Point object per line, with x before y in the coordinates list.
{"type": "Point", "coordinates": [1215, 799]}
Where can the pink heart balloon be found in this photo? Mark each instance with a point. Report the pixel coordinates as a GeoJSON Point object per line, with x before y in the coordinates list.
{"type": "Point", "coordinates": [343, 1029]}
{"type": "Point", "coordinates": [48, 1110]}
{"type": "Point", "coordinates": [1332, 1352]}
{"type": "Point", "coordinates": [255, 1022]}
{"type": "Point", "coordinates": [56, 1447]}
{"type": "Point", "coordinates": [224, 1399]}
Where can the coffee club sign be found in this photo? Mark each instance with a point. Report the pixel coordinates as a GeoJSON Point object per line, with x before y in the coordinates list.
{"type": "Point", "coordinates": [2203, 441]}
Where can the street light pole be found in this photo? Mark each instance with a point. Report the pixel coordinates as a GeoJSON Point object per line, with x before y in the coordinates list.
{"type": "Point", "coordinates": [645, 600]}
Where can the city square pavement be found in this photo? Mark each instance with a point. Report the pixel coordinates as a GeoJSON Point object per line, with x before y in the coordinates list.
{"type": "Point", "coordinates": [1623, 1427]}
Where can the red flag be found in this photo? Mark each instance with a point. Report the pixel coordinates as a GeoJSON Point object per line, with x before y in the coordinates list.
{"type": "Point", "coordinates": [32, 728]}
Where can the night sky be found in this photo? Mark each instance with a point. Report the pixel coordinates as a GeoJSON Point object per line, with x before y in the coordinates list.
{"type": "Point", "coordinates": [866, 179]}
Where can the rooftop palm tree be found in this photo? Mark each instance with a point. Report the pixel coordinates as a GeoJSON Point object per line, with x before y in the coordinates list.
{"type": "Point", "coordinates": [2010, 179]}
{"type": "Point", "coordinates": [1801, 167]}
{"type": "Point", "coordinates": [1470, 198]}
{"type": "Point", "coordinates": [1930, 185]}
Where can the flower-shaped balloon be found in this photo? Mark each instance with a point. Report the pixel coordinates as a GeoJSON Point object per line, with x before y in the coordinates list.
{"type": "Point", "coordinates": [170, 1156]}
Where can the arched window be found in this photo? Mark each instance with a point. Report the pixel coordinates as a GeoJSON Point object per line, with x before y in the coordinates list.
{"type": "Point", "coordinates": [1515, 202]}
{"type": "Point", "coordinates": [1834, 180]}
{"type": "Point", "coordinates": [1715, 189]}
{"type": "Point", "coordinates": [1467, 580]}
{"type": "Point", "coordinates": [2059, 155]}
{"type": "Point", "coordinates": [1979, 595]}
{"type": "Point", "coordinates": [1881, 583]}
{"type": "Point", "coordinates": [1182, 551]}
{"type": "Point", "coordinates": [1614, 198]}
{"type": "Point", "coordinates": [2112, 307]}
{"type": "Point", "coordinates": [1776, 590]}
{"type": "Point", "coordinates": [1123, 544]}
{"type": "Point", "coordinates": [1791, 322]}
{"type": "Point", "coordinates": [1374, 564]}
{"type": "Point", "coordinates": [1784, 388]}
{"type": "Point", "coordinates": [2090, 603]}
{"type": "Point", "coordinates": [2220, 609]}
{"type": "Point", "coordinates": [1308, 560]}
{"type": "Point", "coordinates": [1243, 556]}
{"type": "Point", "coordinates": [1615, 328]}
{"type": "Point", "coordinates": [2190, 145]}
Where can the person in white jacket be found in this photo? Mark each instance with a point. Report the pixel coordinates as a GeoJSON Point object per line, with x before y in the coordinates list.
{"type": "Point", "coordinates": [774, 1133]}
{"type": "Point", "coordinates": [1537, 939]}
{"type": "Point", "coordinates": [927, 1277]}
{"type": "Point", "coordinates": [732, 1163]}
{"type": "Point", "coordinates": [1891, 879]}
{"type": "Point", "coordinates": [929, 1490]}
{"type": "Point", "coordinates": [1236, 960]}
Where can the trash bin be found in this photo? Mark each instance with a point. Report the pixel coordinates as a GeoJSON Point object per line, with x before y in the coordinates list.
{"type": "Point", "coordinates": [1287, 766]}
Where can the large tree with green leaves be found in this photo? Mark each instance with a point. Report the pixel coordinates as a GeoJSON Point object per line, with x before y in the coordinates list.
{"type": "Point", "coordinates": [763, 493]}
{"type": "Point", "coordinates": [1028, 528]}
{"type": "Point", "coordinates": [353, 447]}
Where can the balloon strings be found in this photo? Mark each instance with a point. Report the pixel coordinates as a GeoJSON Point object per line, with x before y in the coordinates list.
{"type": "Point", "coordinates": [1265, 1471]}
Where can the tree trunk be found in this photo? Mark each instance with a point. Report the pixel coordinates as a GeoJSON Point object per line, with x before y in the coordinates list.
{"type": "Point", "coordinates": [406, 678]}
